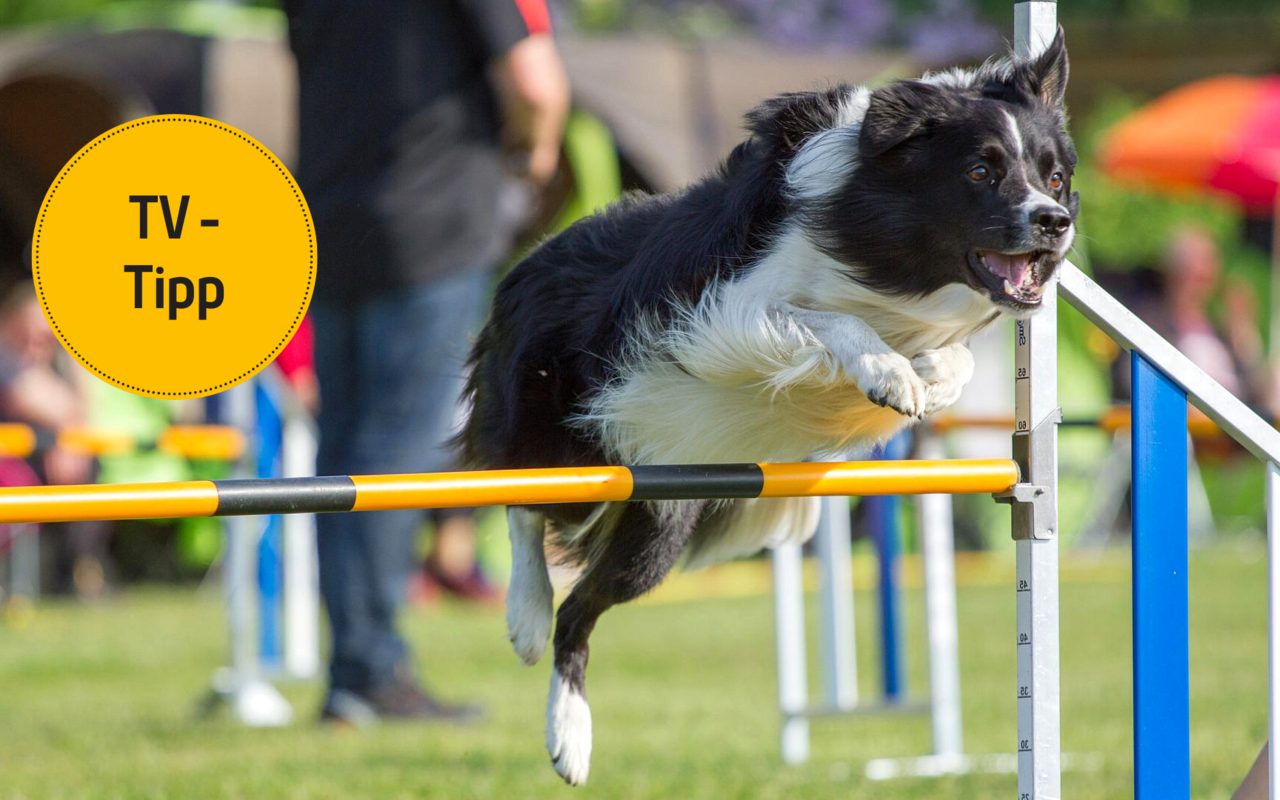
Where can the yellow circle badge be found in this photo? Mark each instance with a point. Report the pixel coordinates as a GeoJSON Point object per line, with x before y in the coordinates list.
{"type": "Point", "coordinates": [174, 256]}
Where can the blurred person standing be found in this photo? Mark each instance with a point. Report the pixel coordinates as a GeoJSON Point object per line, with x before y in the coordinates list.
{"type": "Point", "coordinates": [1231, 353]}
{"type": "Point", "coordinates": [411, 114]}
{"type": "Point", "coordinates": [33, 391]}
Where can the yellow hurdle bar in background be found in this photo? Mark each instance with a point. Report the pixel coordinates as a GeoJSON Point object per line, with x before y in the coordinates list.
{"type": "Point", "coordinates": [196, 442]}
{"type": "Point", "coordinates": [503, 487]}
{"type": "Point", "coordinates": [1116, 418]}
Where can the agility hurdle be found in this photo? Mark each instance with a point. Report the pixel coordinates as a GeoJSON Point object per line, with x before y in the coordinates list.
{"type": "Point", "coordinates": [837, 629]}
{"type": "Point", "coordinates": [501, 487]}
{"type": "Point", "coordinates": [19, 441]}
{"type": "Point", "coordinates": [238, 498]}
{"type": "Point", "coordinates": [1164, 381]}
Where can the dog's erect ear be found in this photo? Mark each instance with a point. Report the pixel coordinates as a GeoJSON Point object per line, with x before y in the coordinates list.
{"type": "Point", "coordinates": [1045, 76]}
{"type": "Point", "coordinates": [784, 122]}
{"type": "Point", "coordinates": [902, 111]}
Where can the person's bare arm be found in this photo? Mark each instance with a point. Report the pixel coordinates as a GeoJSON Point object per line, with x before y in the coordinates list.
{"type": "Point", "coordinates": [1245, 341]}
{"type": "Point", "coordinates": [535, 93]}
{"type": "Point", "coordinates": [38, 396]}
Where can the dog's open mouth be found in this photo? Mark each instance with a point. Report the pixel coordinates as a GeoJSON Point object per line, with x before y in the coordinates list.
{"type": "Point", "coordinates": [1015, 279]}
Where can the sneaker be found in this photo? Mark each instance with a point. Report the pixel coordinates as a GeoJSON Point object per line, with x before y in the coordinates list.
{"type": "Point", "coordinates": [347, 709]}
{"type": "Point", "coordinates": [400, 699]}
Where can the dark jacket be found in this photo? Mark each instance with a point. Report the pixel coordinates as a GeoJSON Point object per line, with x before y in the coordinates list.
{"type": "Point", "coordinates": [399, 153]}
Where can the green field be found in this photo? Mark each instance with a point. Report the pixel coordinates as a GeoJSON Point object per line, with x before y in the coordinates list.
{"type": "Point", "coordinates": [99, 702]}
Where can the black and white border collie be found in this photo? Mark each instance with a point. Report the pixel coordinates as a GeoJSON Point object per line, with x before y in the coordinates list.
{"type": "Point", "coordinates": [816, 292]}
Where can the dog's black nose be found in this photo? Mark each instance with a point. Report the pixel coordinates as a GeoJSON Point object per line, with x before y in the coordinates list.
{"type": "Point", "coordinates": [1051, 220]}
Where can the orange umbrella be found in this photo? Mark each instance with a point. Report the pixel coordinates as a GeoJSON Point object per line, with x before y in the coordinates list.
{"type": "Point", "coordinates": [1219, 134]}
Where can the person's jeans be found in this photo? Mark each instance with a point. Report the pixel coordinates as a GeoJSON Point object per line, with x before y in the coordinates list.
{"type": "Point", "coordinates": [391, 370]}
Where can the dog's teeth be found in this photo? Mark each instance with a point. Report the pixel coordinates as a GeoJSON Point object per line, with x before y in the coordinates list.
{"type": "Point", "coordinates": [1008, 287]}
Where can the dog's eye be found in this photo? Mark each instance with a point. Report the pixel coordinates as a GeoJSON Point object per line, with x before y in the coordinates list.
{"type": "Point", "coordinates": [1056, 180]}
{"type": "Point", "coordinates": [979, 174]}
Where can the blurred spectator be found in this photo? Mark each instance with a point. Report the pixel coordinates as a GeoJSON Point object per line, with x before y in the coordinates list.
{"type": "Point", "coordinates": [410, 115]}
{"type": "Point", "coordinates": [452, 565]}
{"type": "Point", "coordinates": [33, 392]}
{"type": "Point", "coordinates": [1232, 354]}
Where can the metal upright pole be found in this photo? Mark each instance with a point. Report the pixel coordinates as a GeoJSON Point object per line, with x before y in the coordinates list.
{"type": "Point", "coordinates": [935, 522]}
{"type": "Point", "coordinates": [793, 681]}
{"type": "Point", "coordinates": [1035, 518]}
{"type": "Point", "coordinates": [240, 563]}
{"type": "Point", "coordinates": [1035, 529]}
{"type": "Point", "coordinates": [253, 700]}
{"type": "Point", "coordinates": [24, 559]}
{"type": "Point", "coordinates": [833, 547]}
{"type": "Point", "coordinates": [301, 580]}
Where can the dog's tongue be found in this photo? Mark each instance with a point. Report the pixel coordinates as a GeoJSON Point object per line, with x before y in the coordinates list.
{"type": "Point", "coordinates": [1012, 267]}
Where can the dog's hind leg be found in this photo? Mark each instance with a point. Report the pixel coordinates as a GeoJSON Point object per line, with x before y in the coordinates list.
{"type": "Point", "coordinates": [639, 552]}
{"type": "Point", "coordinates": [529, 593]}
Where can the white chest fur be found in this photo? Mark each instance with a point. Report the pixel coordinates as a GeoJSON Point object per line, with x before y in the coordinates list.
{"type": "Point", "coordinates": [743, 377]}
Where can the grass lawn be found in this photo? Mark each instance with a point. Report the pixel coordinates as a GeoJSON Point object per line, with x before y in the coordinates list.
{"type": "Point", "coordinates": [98, 702]}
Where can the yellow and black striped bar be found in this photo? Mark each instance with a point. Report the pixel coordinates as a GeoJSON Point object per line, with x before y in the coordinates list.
{"type": "Point", "coordinates": [502, 487]}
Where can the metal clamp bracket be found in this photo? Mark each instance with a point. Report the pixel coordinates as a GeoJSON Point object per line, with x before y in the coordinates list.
{"type": "Point", "coordinates": [1034, 500]}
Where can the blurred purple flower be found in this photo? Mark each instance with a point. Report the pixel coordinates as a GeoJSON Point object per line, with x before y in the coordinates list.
{"type": "Point", "coordinates": [864, 21]}
{"type": "Point", "coordinates": [952, 32]}
{"type": "Point", "coordinates": [841, 23]}
{"type": "Point", "coordinates": [949, 30]}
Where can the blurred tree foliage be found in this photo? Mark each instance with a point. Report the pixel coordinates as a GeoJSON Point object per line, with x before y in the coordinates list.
{"type": "Point", "coordinates": [25, 12]}
{"type": "Point", "coordinates": [15, 13]}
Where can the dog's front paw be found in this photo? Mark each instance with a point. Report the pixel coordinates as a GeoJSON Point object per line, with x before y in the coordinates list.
{"type": "Point", "coordinates": [888, 380]}
{"type": "Point", "coordinates": [945, 372]}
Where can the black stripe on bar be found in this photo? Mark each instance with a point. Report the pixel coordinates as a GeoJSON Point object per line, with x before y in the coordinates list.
{"type": "Point", "coordinates": [690, 481]}
{"type": "Point", "coordinates": [285, 495]}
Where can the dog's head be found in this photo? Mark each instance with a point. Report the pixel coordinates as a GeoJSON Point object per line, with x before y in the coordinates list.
{"type": "Point", "coordinates": [959, 178]}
